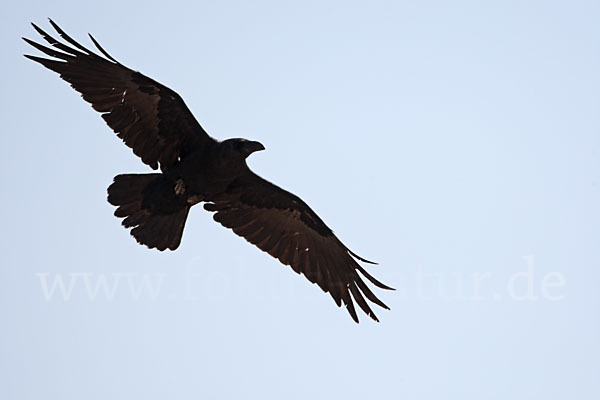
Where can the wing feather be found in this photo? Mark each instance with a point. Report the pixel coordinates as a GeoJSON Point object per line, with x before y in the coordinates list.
{"type": "Point", "coordinates": [149, 117]}
{"type": "Point", "coordinates": [286, 228]}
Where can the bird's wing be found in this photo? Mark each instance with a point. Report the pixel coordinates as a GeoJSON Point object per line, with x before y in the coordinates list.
{"type": "Point", "coordinates": [150, 118]}
{"type": "Point", "coordinates": [281, 224]}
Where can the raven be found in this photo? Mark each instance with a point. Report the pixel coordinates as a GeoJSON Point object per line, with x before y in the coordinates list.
{"type": "Point", "coordinates": [155, 123]}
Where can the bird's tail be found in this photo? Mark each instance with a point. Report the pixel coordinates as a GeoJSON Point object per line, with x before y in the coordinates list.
{"type": "Point", "coordinates": [150, 206]}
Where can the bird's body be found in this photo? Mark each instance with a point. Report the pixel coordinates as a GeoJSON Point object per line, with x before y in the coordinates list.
{"type": "Point", "coordinates": [195, 168]}
{"type": "Point", "coordinates": [209, 172]}
{"type": "Point", "coordinates": [206, 173]}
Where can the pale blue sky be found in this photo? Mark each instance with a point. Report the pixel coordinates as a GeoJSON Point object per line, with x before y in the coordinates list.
{"type": "Point", "coordinates": [456, 143]}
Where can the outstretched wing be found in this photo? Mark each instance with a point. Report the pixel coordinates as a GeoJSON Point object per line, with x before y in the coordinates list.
{"type": "Point", "coordinates": [281, 224]}
{"type": "Point", "coordinates": [150, 118]}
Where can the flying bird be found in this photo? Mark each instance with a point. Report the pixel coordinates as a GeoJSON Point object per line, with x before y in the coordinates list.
{"type": "Point", "coordinates": [195, 168]}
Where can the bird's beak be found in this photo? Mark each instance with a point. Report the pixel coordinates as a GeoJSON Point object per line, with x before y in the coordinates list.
{"type": "Point", "coordinates": [254, 146]}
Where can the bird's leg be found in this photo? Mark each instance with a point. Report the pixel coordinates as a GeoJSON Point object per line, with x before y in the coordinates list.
{"type": "Point", "coordinates": [180, 190]}
{"type": "Point", "coordinates": [195, 199]}
{"type": "Point", "coordinates": [179, 187]}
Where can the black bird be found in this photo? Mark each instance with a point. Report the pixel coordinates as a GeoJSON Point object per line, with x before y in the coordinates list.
{"type": "Point", "coordinates": [154, 121]}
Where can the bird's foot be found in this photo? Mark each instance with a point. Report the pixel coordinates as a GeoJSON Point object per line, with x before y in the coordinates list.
{"type": "Point", "coordinates": [179, 187]}
{"type": "Point", "coordinates": [195, 199]}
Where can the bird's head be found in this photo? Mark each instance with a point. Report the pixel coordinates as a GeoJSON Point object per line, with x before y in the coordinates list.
{"type": "Point", "coordinates": [242, 147]}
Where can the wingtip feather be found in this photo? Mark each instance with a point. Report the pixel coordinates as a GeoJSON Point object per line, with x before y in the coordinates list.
{"type": "Point", "coordinates": [360, 258]}
{"type": "Point", "coordinates": [101, 49]}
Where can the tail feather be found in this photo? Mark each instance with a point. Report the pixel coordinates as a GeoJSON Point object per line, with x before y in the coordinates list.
{"type": "Point", "coordinates": [149, 205]}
